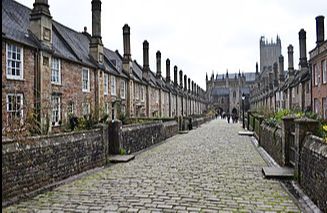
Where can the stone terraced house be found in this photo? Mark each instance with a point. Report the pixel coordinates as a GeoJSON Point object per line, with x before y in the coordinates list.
{"type": "Point", "coordinates": [51, 72]}
{"type": "Point", "coordinates": [303, 89]}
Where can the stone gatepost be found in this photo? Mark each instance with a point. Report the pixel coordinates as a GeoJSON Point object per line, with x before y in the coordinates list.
{"type": "Point", "coordinates": [303, 126]}
{"type": "Point", "coordinates": [105, 138]}
{"type": "Point", "coordinates": [115, 137]}
{"type": "Point", "coordinates": [260, 118]}
{"type": "Point", "coordinates": [287, 129]}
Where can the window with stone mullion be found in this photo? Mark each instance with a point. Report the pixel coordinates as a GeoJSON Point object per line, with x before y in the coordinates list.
{"type": "Point", "coordinates": [324, 71]}
{"type": "Point", "coordinates": [105, 84]}
{"type": "Point", "coordinates": [85, 79]}
{"type": "Point", "coordinates": [15, 106]}
{"type": "Point", "coordinates": [55, 70]}
{"type": "Point", "coordinates": [55, 109]}
{"type": "Point", "coordinates": [14, 61]}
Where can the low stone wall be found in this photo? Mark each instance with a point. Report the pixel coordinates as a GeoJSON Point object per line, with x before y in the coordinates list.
{"type": "Point", "coordinates": [38, 162]}
{"type": "Point", "coordinates": [138, 137]}
{"type": "Point", "coordinates": [170, 128]}
{"type": "Point", "coordinates": [313, 170]}
{"type": "Point", "coordinates": [271, 141]}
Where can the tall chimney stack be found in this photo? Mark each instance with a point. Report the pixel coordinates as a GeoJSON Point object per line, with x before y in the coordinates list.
{"type": "Point", "coordinates": [275, 68]}
{"type": "Point", "coordinates": [126, 42]}
{"type": "Point", "coordinates": [281, 68]}
{"type": "Point", "coordinates": [303, 49]}
{"type": "Point", "coordinates": [96, 46]}
{"type": "Point", "coordinates": [146, 66]}
{"type": "Point", "coordinates": [185, 82]}
{"type": "Point", "coordinates": [158, 56]}
{"type": "Point", "coordinates": [320, 29]}
{"type": "Point", "coordinates": [189, 84]}
{"type": "Point", "coordinates": [181, 79]}
{"type": "Point", "coordinates": [192, 87]}
{"type": "Point", "coordinates": [96, 19]}
{"type": "Point", "coordinates": [290, 60]}
{"type": "Point", "coordinates": [168, 70]}
{"type": "Point", "coordinates": [175, 76]}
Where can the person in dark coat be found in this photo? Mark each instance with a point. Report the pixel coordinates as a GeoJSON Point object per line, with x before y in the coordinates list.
{"type": "Point", "coordinates": [228, 117]}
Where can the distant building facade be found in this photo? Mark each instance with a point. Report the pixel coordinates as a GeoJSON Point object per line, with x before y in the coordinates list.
{"type": "Point", "coordinates": [269, 53]}
{"type": "Point", "coordinates": [224, 91]}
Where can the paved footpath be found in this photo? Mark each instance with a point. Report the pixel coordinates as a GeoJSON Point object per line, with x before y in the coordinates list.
{"type": "Point", "coordinates": [210, 169]}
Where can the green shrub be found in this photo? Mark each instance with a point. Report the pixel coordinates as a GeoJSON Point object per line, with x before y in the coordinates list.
{"type": "Point", "coordinates": [122, 151]}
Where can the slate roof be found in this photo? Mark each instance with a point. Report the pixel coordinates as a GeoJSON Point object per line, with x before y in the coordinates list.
{"type": "Point", "coordinates": [15, 23]}
{"type": "Point", "coordinates": [67, 43]}
{"type": "Point", "coordinates": [220, 91]}
{"type": "Point", "coordinates": [249, 76]}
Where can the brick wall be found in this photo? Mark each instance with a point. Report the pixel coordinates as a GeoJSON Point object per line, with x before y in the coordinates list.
{"type": "Point", "coordinates": [313, 173]}
{"type": "Point", "coordinates": [24, 86]}
{"type": "Point", "coordinates": [37, 162]}
{"type": "Point", "coordinates": [271, 141]}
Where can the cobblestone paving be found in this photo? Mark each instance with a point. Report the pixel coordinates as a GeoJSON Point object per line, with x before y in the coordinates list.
{"type": "Point", "coordinates": [210, 169]}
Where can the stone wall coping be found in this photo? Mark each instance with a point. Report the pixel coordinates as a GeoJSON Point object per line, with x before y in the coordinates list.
{"type": "Point", "coordinates": [305, 120]}
{"type": "Point", "coordinates": [316, 145]}
{"type": "Point", "coordinates": [170, 123]}
{"type": "Point", "coordinates": [276, 128]}
{"type": "Point", "coordinates": [42, 141]}
{"type": "Point", "coordinates": [44, 137]}
{"type": "Point", "coordinates": [289, 117]}
{"type": "Point", "coordinates": [141, 126]}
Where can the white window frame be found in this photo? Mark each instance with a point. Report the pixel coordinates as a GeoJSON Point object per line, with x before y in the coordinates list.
{"type": "Point", "coordinates": [14, 111]}
{"type": "Point", "coordinates": [142, 93]}
{"type": "Point", "coordinates": [87, 89]}
{"type": "Point", "coordinates": [55, 108]}
{"type": "Point", "coordinates": [315, 74]}
{"type": "Point", "coordinates": [71, 108]}
{"type": "Point", "coordinates": [122, 89]}
{"type": "Point", "coordinates": [324, 71]}
{"type": "Point", "coordinates": [324, 108]}
{"type": "Point", "coordinates": [54, 70]}
{"type": "Point", "coordinates": [86, 108]}
{"type": "Point", "coordinates": [316, 104]}
{"type": "Point", "coordinates": [106, 108]}
{"type": "Point", "coordinates": [113, 85]}
{"type": "Point", "coordinates": [21, 61]}
{"type": "Point", "coordinates": [136, 92]}
{"type": "Point", "coordinates": [106, 84]}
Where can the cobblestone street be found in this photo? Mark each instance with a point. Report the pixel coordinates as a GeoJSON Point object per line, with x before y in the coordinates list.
{"type": "Point", "coordinates": [210, 169]}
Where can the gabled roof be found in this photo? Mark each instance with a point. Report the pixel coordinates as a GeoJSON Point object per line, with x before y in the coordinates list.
{"type": "Point", "coordinates": [15, 23]}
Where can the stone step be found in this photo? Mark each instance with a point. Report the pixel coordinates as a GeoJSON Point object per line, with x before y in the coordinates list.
{"type": "Point", "coordinates": [246, 133]}
{"type": "Point", "coordinates": [278, 172]}
{"type": "Point", "coordinates": [120, 158]}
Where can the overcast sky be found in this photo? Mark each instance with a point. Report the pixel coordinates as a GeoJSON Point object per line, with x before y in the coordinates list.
{"type": "Point", "coordinates": [197, 36]}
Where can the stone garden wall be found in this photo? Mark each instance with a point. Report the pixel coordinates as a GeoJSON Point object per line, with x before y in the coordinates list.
{"type": "Point", "coordinates": [271, 141]}
{"type": "Point", "coordinates": [37, 162]}
{"type": "Point", "coordinates": [313, 170]}
{"type": "Point", "coordinates": [138, 137]}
